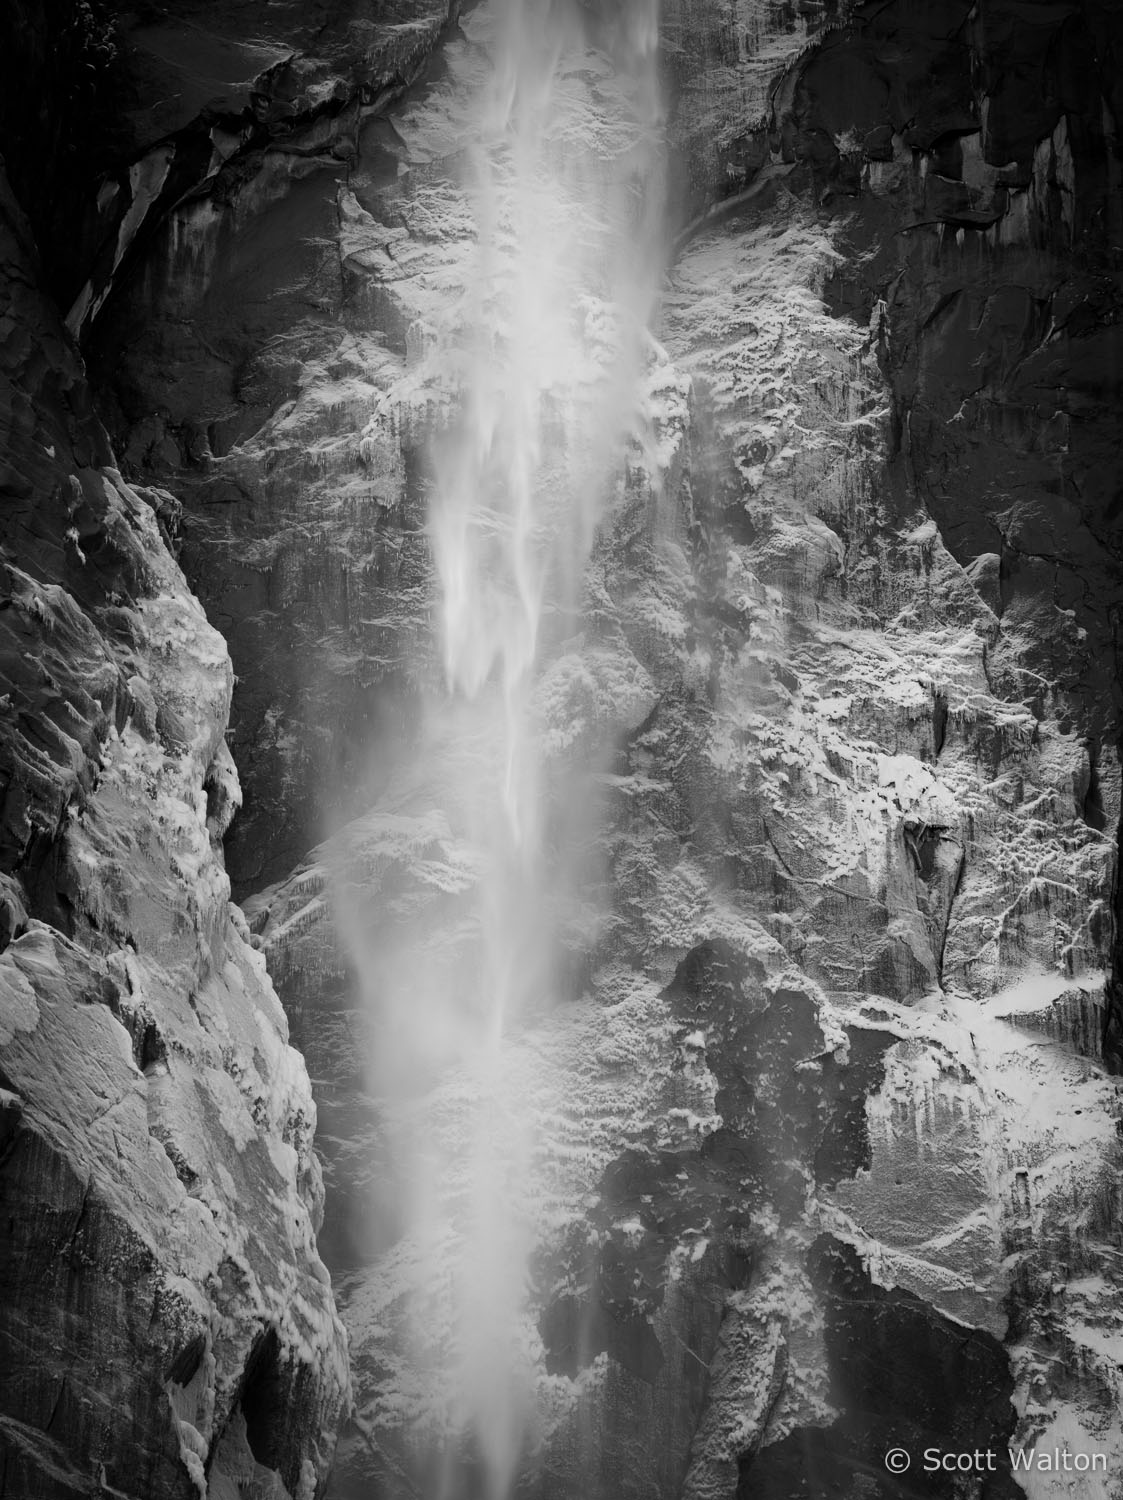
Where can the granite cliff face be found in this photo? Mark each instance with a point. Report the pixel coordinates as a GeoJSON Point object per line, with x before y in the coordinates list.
{"type": "Point", "coordinates": [236, 386]}
{"type": "Point", "coordinates": [828, 1157]}
{"type": "Point", "coordinates": [167, 1325]}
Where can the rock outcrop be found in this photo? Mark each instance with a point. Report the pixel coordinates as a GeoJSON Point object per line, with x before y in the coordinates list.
{"type": "Point", "coordinates": [166, 1324]}
{"type": "Point", "coordinates": [229, 335]}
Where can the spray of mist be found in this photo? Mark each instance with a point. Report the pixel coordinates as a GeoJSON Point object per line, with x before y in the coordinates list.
{"type": "Point", "coordinates": [545, 350]}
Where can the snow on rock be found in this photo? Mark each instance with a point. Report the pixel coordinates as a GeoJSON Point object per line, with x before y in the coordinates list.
{"type": "Point", "coordinates": [826, 1144]}
{"type": "Point", "coordinates": [162, 1290]}
{"type": "Point", "coordinates": [926, 837]}
{"type": "Point", "coordinates": [795, 1105]}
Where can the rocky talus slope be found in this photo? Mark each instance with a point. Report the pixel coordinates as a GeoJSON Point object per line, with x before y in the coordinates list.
{"type": "Point", "coordinates": [827, 1156]}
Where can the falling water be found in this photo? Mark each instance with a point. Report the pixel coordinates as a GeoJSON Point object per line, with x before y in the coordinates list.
{"type": "Point", "coordinates": [545, 349]}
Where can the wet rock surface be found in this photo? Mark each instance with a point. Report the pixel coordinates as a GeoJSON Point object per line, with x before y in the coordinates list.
{"type": "Point", "coordinates": [828, 1160]}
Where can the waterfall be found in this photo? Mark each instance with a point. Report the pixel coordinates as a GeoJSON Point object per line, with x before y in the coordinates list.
{"type": "Point", "coordinates": [542, 354]}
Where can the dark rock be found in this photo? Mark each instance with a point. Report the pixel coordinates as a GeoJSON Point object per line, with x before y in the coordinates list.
{"type": "Point", "coordinates": [904, 1378]}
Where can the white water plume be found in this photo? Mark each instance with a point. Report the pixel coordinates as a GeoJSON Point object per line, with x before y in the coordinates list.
{"type": "Point", "coordinates": [543, 344]}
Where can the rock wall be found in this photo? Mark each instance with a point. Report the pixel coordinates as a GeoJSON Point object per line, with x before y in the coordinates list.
{"type": "Point", "coordinates": [166, 1324]}
{"type": "Point", "coordinates": [833, 1075]}
{"type": "Point", "coordinates": [234, 350]}
{"type": "Point", "coordinates": [859, 833]}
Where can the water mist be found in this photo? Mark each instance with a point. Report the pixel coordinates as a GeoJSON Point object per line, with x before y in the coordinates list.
{"type": "Point", "coordinates": [542, 359]}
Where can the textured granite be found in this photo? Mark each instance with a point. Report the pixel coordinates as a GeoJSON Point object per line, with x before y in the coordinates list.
{"type": "Point", "coordinates": [166, 1322]}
